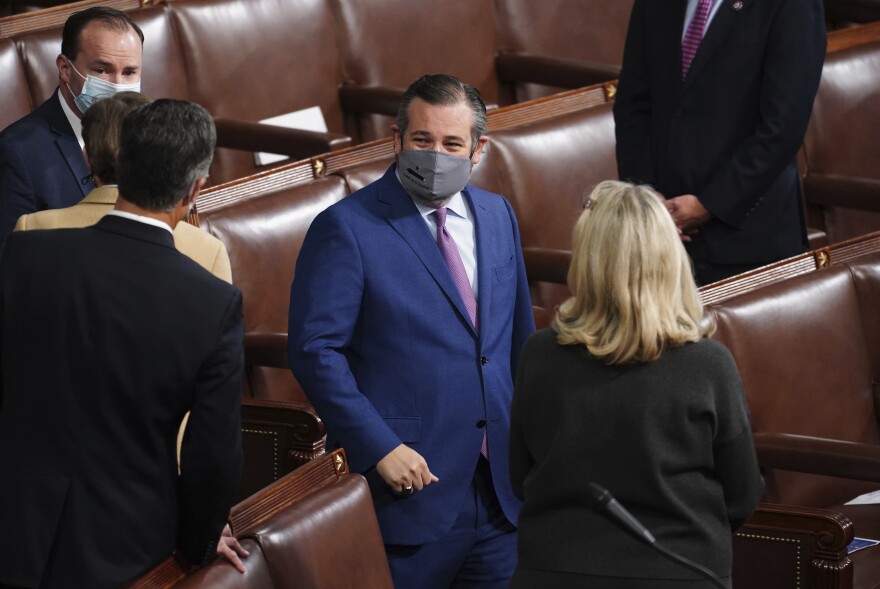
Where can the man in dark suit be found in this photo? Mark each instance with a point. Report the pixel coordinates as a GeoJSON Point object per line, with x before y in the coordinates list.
{"type": "Point", "coordinates": [407, 314]}
{"type": "Point", "coordinates": [41, 158]}
{"type": "Point", "coordinates": [108, 336]}
{"type": "Point", "coordinates": [712, 105]}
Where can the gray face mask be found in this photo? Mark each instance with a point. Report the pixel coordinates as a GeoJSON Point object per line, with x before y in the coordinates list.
{"type": "Point", "coordinates": [432, 176]}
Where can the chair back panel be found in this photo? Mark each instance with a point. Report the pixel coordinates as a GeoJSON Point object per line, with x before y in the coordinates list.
{"type": "Point", "coordinates": [14, 95]}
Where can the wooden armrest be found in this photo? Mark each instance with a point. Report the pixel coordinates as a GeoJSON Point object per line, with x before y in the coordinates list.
{"type": "Point", "coordinates": [551, 71]}
{"type": "Point", "coordinates": [294, 143]}
{"type": "Point", "coordinates": [380, 100]}
{"type": "Point", "coordinates": [849, 460]}
{"type": "Point", "coordinates": [841, 191]}
{"type": "Point", "coordinates": [787, 546]}
{"type": "Point", "coordinates": [546, 265]}
{"type": "Point", "coordinates": [266, 349]}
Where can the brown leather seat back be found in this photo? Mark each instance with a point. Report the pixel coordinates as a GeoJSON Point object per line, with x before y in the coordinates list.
{"type": "Point", "coordinates": [328, 540]}
{"type": "Point", "coordinates": [222, 575]}
{"type": "Point", "coordinates": [162, 76]}
{"type": "Point", "coordinates": [842, 138]}
{"type": "Point", "coordinates": [801, 352]}
{"type": "Point", "coordinates": [263, 236]}
{"type": "Point", "coordinates": [546, 169]}
{"type": "Point", "coordinates": [254, 60]}
{"type": "Point", "coordinates": [583, 30]}
{"type": "Point", "coordinates": [14, 95]}
{"type": "Point", "coordinates": [393, 42]}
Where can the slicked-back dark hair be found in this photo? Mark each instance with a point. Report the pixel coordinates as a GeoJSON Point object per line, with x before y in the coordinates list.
{"type": "Point", "coordinates": [165, 147]}
{"type": "Point", "coordinates": [444, 90]}
{"type": "Point", "coordinates": [109, 17]}
{"type": "Point", "coordinates": [101, 126]}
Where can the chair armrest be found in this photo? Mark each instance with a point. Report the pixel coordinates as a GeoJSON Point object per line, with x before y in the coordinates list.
{"type": "Point", "coordinates": [266, 349]}
{"type": "Point", "coordinates": [787, 546]}
{"type": "Point", "coordinates": [824, 456]}
{"type": "Point", "coordinates": [546, 265]}
{"type": "Point", "coordinates": [294, 143]}
{"type": "Point", "coordinates": [841, 191]}
{"type": "Point", "coordinates": [379, 100]}
{"type": "Point", "coordinates": [552, 71]}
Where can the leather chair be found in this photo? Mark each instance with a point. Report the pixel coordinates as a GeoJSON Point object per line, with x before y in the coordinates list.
{"type": "Point", "coordinates": [387, 44]}
{"type": "Point", "coordinates": [248, 61]}
{"type": "Point", "coordinates": [569, 43]}
{"type": "Point", "coordinates": [263, 236]}
{"type": "Point", "coordinates": [842, 182]}
{"type": "Point", "coordinates": [315, 528]}
{"type": "Point", "coordinates": [808, 352]}
{"type": "Point", "coordinates": [44, 14]}
{"type": "Point", "coordinates": [546, 169]}
{"type": "Point", "coordinates": [14, 95]}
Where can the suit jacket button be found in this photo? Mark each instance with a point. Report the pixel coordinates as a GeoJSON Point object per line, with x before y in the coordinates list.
{"type": "Point", "coordinates": [484, 360]}
{"type": "Point", "coordinates": [481, 424]}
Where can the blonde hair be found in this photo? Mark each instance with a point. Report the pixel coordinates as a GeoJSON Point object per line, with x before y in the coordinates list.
{"type": "Point", "coordinates": [633, 290]}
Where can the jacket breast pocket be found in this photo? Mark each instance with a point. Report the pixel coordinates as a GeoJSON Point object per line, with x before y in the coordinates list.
{"type": "Point", "coordinates": [506, 271]}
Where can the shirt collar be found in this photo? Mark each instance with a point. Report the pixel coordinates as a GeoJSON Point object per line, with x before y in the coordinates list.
{"type": "Point", "coordinates": [142, 219]}
{"type": "Point", "coordinates": [75, 122]}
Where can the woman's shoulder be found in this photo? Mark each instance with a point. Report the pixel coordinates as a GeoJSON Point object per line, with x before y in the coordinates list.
{"type": "Point", "coordinates": [707, 353]}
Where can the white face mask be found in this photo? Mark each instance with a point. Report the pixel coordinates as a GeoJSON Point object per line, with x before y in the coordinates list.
{"type": "Point", "coordinates": [95, 88]}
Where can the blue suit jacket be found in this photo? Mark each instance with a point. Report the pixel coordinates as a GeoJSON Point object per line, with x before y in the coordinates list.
{"type": "Point", "coordinates": [382, 345]}
{"type": "Point", "coordinates": [41, 165]}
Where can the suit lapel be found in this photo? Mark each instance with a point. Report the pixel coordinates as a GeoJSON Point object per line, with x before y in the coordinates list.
{"type": "Point", "coordinates": [402, 214]}
{"type": "Point", "coordinates": [67, 144]}
{"type": "Point", "coordinates": [727, 17]}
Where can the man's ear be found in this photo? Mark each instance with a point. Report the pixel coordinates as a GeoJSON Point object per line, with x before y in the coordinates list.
{"type": "Point", "coordinates": [398, 139]}
{"type": "Point", "coordinates": [481, 143]}
{"type": "Point", "coordinates": [64, 70]}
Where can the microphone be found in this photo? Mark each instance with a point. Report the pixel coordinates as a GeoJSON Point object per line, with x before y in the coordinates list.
{"type": "Point", "coordinates": [603, 502]}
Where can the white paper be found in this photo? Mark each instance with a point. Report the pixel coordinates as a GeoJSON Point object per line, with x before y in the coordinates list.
{"type": "Point", "coordinates": [866, 499]}
{"type": "Point", "coordinates": [307, 119]}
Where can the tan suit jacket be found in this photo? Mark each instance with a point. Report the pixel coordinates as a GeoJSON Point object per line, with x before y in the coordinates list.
{"type": "Point", "coordinates": [205, 249]}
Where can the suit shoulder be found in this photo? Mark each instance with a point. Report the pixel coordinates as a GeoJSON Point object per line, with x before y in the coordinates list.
{"type": "Point", "coordinates": [25, 129]}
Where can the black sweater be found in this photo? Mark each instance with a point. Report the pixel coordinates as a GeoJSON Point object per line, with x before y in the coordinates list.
{"type": "Point", "coordinates": [670, 439]}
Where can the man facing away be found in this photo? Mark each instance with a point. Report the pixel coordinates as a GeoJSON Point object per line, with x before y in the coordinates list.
{"type": "Point", "coordinates": [108, 335]}
{"type": "Point", "coordinates": [711, 109]}
{"type": "Point", "coordinates": [41, 160]}
{"type": "Point", "coordinates": [407, 314]}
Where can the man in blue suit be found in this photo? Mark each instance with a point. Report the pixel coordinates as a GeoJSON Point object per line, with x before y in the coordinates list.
{"type": "Point", "coordinates": [407, 315]}
{"type": "Point", "coordinates": [41, 156]}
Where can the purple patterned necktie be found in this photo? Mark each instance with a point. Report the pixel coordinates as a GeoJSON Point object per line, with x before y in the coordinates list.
{"type": "Point", "coordinates": [460, 277]}
{"type": "Point", "coordinates": [694, 35]}
{"type": "Point", "coordinates": [456, 267]}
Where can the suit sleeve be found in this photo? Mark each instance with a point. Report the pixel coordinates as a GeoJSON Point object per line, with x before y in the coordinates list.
{"type": "Point", "coordinates": [325, 301]}
{"type": "Point", "coordinates": [792, 68]}
{"type": "Point", "coordinates": [16, 191]}
{"type": "Point", "coordinates": [523, 315]}
{"type": "Point", "coordinates": [632, 106]}
{"type": "Point", "coordinates": [211, 453]}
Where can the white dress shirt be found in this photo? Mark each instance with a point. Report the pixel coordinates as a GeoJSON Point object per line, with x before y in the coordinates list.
{"type": "Point", "coordinates": [142, 219]}
{"type": "Point", "coordinates": [75, 122]}
{"type": "Point", "coordinates": [692, 9]}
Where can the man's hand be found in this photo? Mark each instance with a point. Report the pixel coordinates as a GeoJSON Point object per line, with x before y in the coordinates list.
{"type": "Point", "coordinates": [688, 213]}
{"type": "Point", "coordinates": [229, 548]}
{"type": "Point", "coordinates": [404, 470]}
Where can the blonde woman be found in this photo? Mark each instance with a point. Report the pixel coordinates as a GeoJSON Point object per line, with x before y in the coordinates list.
{"type": "Point", "coordinates": [626, 391]}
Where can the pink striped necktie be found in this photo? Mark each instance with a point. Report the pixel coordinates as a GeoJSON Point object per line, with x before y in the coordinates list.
{"type": "Point", "coordinates": [694, 35]}
{"type": "Point", "coordinates": [460, 278]}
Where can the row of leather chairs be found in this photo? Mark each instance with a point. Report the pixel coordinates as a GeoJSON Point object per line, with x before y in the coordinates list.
{"type": "Point", "coordinates": [248, 60]}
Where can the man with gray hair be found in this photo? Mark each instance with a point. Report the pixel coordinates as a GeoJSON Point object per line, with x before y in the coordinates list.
{"type": "Point", "coordinates": [108, 336]}
{"type": "Point", "coordinates": [408, 312]}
